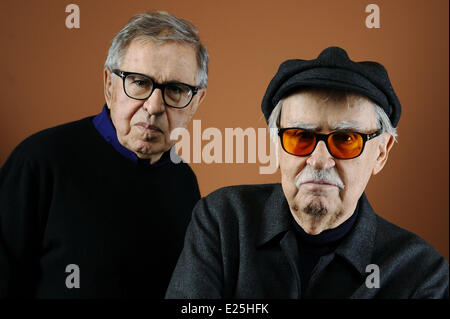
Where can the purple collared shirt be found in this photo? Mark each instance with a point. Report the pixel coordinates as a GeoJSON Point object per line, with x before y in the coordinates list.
{"type": "Point", "coordinates": [105, 127]}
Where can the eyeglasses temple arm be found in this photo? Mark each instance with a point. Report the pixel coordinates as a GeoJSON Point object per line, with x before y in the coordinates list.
{"type": "Point", "coordinates": [374, 134]}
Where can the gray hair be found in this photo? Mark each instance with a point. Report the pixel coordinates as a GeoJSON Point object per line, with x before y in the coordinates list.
{"type": "Point", "coordinates": [381, 116]}
{"type": "Point", "coordinates": [159, 26]}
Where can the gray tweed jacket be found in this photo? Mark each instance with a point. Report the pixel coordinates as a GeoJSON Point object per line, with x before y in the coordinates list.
{"type": "Point", "coordinates": [241, 244]}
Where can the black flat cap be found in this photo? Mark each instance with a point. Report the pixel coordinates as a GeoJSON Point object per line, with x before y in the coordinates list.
{"type": "Point", "coordinates": [333, 69]}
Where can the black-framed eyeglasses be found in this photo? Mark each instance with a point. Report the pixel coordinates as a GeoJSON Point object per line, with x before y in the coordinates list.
{"type": "Point", "coordinates": [140, 87]}
{"type": "Point", "coordinates": [340, 144]}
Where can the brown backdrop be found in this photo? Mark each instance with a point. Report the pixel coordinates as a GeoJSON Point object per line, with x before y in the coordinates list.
{"type": "Point", "coordinates": [51, 75]}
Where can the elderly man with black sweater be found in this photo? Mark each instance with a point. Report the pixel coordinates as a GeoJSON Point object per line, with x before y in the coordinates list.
{"type": "Point", "coordinates": [96, 208]}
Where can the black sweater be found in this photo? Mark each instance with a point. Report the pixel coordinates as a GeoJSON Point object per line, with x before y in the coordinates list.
{"type": "Point", "coordinates": [68, 197]}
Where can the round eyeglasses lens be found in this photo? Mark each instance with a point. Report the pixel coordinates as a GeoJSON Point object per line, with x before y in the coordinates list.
{"type": "Point", "coordinates": [298, 141]}
{"type": "Point", "coordinates": [138, 86]}
{"type": "Point", "coordinates": [177, 94]}
{"type": "Point", "coordinates": [345, 145]}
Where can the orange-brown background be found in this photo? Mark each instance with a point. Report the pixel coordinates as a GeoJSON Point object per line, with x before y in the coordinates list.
{"type": "Point", "coordinates": [51, 75]}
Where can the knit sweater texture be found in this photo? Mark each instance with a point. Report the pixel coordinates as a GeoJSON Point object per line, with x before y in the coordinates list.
{"type": "Point", "coordinates": [71, 205]}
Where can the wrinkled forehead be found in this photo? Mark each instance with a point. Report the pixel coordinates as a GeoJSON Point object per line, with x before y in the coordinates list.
{"type": "Point", "coordinates": [311, 110]}
{"type": "Point", "coordinates": [163, 61]}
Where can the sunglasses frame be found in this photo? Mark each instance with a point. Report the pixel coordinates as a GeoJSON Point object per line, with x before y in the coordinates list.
{"type": "Point", "coordinates": [324, 137]}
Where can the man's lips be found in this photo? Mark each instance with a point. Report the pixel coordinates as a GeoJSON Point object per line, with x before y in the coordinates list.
{"type": "Point", "coordinates": [321, 183]}
{"type": "Point", "coordinates": [148, 127]}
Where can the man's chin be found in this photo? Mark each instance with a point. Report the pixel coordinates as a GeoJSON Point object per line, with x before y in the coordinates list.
{"type": "Point", "coordinates": [314, 204]}
{"type": "Point", "coordinates": [316, 209]}
{"type": "Point", "coordinates": [147, 150]}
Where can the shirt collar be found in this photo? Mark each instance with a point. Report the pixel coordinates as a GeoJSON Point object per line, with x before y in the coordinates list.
{"type": "Point", "coordinates": [105, 127]}
{"type": "Point", "coordinates": [356, 247]}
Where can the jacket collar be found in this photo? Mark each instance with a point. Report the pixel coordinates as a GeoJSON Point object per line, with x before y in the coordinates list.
{"type": "Point", "coordinates": [276, 217]}
{"type": "Point", "coordinates": [356, 248]}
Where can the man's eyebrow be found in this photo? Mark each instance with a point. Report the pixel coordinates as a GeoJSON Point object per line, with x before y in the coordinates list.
{"type": "Point", "coordinates": [175, 79]}
{"type": "Point", "coordinates": [303, 125]}
{"type": "Point", "coordinates": [347, 125]}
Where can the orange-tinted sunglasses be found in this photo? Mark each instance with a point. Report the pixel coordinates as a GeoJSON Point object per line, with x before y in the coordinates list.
{"type": "Point", "coordinates": [340, 144]}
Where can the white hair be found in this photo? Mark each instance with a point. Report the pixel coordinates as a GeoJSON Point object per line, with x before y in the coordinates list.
{"type": "Point", "coordinates": [159, 26]}
{"type": "Point", "coordinates": [274, 122]}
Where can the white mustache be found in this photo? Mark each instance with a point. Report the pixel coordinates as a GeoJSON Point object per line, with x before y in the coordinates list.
{"type": "Point", "coordinates": [309, 174]}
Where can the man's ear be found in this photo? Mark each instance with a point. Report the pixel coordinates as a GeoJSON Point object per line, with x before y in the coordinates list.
{"type": "Point", "coordinates": [384, 148]}
{"type": "Point", "coordinates": [201, 94]}
{"type": "Point", "coordinates": [107, 86]}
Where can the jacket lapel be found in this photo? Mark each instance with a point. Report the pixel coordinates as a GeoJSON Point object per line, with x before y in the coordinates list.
{"type": "Point", "coordinates": [342, 273]}
{"type": "Point", "coordinates": [276, 236]}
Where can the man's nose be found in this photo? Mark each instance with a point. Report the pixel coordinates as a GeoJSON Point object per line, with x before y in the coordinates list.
{"type": "Point", "coordinates": [321, 158]}
{"type": "Point", "coordinates": [154, 105]}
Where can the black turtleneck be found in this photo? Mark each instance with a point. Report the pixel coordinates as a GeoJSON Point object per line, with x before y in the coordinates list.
{"type": "Point", "coordinates": [312, 247]}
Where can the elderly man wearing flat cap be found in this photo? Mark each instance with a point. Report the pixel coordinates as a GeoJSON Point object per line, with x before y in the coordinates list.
{"type": "Point", "coordinates": [315, 235]}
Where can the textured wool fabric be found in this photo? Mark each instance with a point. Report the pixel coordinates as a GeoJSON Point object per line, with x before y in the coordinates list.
{"type": "Point", "coordinates": [312, 247]}
{"type": "Point", "coordinates": [241, 244]}
{"type": "Point", "coordinates": [333, 69]}
{"type": "Point", "coordinates": [67, 197]}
